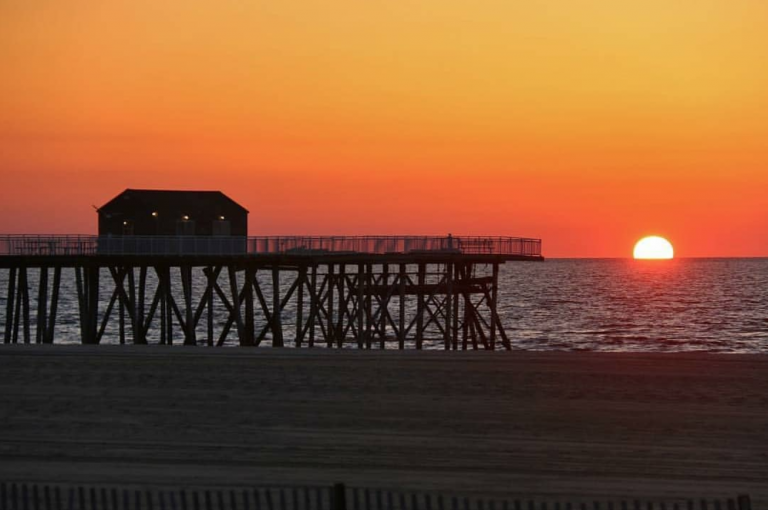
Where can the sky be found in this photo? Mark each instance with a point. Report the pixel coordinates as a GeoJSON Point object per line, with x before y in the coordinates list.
{"type": "Point", "coordinates": [588, 124]}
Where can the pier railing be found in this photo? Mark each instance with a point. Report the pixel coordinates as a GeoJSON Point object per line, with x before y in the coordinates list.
{"type": "Point", "coordinates": [47, 245]}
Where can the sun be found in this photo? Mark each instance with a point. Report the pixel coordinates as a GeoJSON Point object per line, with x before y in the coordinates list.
{"type": "Point", "coordinates": [653, 247]}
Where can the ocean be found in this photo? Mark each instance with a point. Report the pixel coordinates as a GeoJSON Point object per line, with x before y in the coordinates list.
{"type": "Point", "coordinates": [713, 305]}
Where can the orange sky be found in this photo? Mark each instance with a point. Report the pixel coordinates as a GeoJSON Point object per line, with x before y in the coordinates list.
{"type": "Point", "coordinates": [588, 124]}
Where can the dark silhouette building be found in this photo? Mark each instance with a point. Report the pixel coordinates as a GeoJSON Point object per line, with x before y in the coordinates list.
{"type": "Point", "coordinates": [138, 212]}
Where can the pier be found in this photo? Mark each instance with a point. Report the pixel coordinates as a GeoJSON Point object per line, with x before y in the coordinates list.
{"type": "Point", "coordinates": [337, 292]}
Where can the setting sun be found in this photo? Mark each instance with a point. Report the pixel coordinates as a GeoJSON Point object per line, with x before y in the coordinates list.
{"type": "Point", "coordinates": [653, 247]}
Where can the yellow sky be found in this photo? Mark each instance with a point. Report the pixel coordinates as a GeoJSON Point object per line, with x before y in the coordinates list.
{"type": "Point", "coordinates": [586, 123]}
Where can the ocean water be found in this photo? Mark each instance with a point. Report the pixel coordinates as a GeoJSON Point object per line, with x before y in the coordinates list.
{"type": "Point", "coordinates": [715, 305]}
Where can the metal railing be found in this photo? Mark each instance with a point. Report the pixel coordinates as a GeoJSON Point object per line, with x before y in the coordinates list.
{"type": "Point", "coordinates": [69, 245]}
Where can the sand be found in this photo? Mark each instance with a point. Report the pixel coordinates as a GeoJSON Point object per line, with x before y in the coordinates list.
{"type": "Point", "coordinates": [517, 423]}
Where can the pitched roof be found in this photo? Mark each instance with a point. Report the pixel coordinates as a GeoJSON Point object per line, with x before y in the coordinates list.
{"type": "Point", "coordinates": [174, 198]}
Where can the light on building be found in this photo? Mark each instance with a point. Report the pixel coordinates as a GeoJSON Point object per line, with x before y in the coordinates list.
{"type": "Point", "coordinates": [221, 218]}
{"type": "Point", "coordinates": [154, 214]}
{"type": "Point", "coordinates": [185, 218]}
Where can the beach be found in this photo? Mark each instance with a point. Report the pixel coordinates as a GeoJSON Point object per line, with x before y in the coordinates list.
{"type": "Point", "coordinates": [533, 424]}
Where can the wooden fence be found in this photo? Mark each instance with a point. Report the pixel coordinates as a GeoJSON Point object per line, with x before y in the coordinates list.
{"type": "Point", "coordinates": [21, 496]}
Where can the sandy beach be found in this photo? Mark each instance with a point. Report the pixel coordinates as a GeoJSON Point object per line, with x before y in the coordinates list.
{"type": "Point", "coordinates": [517, 423]}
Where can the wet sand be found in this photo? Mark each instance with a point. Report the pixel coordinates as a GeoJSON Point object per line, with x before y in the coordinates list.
{"type": "Point", "coordinates": [518, 423]}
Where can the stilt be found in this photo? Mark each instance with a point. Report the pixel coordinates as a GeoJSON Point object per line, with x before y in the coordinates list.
{"type": "Point", "coordinates": [420, 307]}
{"type": "Point", "coordinates": [236, 304]}
{"type": "Point", "coordinates": [492, 304]}
{"type": "Point", "coordinates": [339, 326]}
{"type": "Point", "coordinates": [368, 297]}
{"type": "Point", "coordinates": [313, 305]}
{"type": "Point", "coordinates": [168, 293]}
{"type": "Point", "coordinates": [17, 314]}
{"type": "Point", "coordinates": [250, 275]}
{"type": "Point", "coordinates": [277, 324]}
{"type": "Point", "coordinates": [9, 305]}
{"type": "Point", "coordinates": [42, 305]}
{"type": "Point", "coordinates": [401, 317]}
{"type": "Point", "coordinates": [302, 277]}
{"type": "Point", "coordinates": [54, 305]}
{"type": "Point", "coordinates": [80, 284]}
{"type": "Point", "coordinates": [163, 306]}
{"type": "Point", "coordinates": [140, 335]}
{"type": "Point", "coordinates": [330, 337]}
{"type": "Point", "coordinates": [211, 281]}
{"type": "Point", "coordinates": [384, 310]}
{"type": "Point", "coordinates": [361, 338]}
{"type": "Point", "coordinates": [448, 304]}
{"type": "Point", "coordinates": [131, 305]}
{"type": "Point", "coordinates": [456, 301]}
{"type": "Point", "coordinates": [121, 308]}
{"type": "Point", "coordinates": [189, 320]}
{"type": "Point", "coordinates": [92, 302]}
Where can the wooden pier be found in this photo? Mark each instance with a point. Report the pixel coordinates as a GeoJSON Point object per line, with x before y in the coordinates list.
{"type": "Point", "coordinates": [364, 292]}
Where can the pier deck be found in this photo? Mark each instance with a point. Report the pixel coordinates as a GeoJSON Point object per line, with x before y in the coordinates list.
{"type": "Point", "coordinates": [369, 292]}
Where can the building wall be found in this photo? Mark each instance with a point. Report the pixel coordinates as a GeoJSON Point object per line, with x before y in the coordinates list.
{"type": "Point", "coordinates": [138, 217]}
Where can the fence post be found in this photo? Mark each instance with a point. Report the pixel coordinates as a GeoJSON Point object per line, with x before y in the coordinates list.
{"type": "Point", "coordinates": [340, 495]}
{"type": "Point", "coordinates": [744, 502]}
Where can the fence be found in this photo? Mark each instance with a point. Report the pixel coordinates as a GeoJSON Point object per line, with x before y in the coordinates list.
{"type": "Point", "coordinates": [46, 245]}
{"type": "Point", "coordinates": [338, 497]}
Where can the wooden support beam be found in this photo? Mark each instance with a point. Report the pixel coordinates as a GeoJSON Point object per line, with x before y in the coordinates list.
{"type": "Point", "coordinates": [236, 303]}
{"type": "Point", "coordinates": [92, 300]}
{"type": "Point", "coordinates": [105, 318]}
{"type": "Point", "coordinates": [250, 333]}
{"type": "Point", "coordinates": [384, 306]}
{"type": "Point", "coordinates": [163, 306]}
{"type": "Point", "coordinates": [500, 327]}
{"type": "Point", "coordinates": [156, 300]}
{"type": "Point", "coordinates": [269, 315]}
{"type": "Point", "coordinates": [312, 306]}
{"type": "Point", "coordinates": [9, 305]}
{"type": "Point", "coordinates": [81, 302]}
{"type": "Point", "coordinates": [189, 312]}
{"type": "Point", "coordinates": [456, 309]}
{"type": "Point", "coordinates": [329, 335]}
{"type": "Point", "coordinates": [121, 313]}
{"type": "Point", "coordinates": [301, 277]}
{"type": "Point", "coordinates": [368, 305]}
{"type": "Point", "coordinates": [17, 314]}
{"type": "Point", "coordinates": [360, 309]}
{"type": "Point", "coordinates": [343, 300]}
{"type": "Point", "coordinates": [49, 334]}
{"type": "Point", "coordinates": [168, 301]}
{"type": "Point", "coordinates": [132, 308]}
{"type": "Point", "coordinates": [42, 305]}
{"type": "Point", "coordinates": [401, 317]}
{"type": "Point", "coordinates": [448, 338]}
{"type": "Point", "coordinates": [212, 275]}
{"type": "Point", "coordinates": [140, 335]}
{"type": "Point", "coordinates": [277, 324]}
{"type": "Point", "coordinates": [420, 307]}
{"type": "Point", "coordinates": [493, 302]}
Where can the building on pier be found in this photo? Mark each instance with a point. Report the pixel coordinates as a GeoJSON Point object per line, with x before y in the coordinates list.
{"type": "Point", "coordinates": [140, 212]}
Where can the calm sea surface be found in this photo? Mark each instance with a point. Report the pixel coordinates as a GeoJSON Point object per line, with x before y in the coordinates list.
{"type": "Point", "coordinates": [718, 305]}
